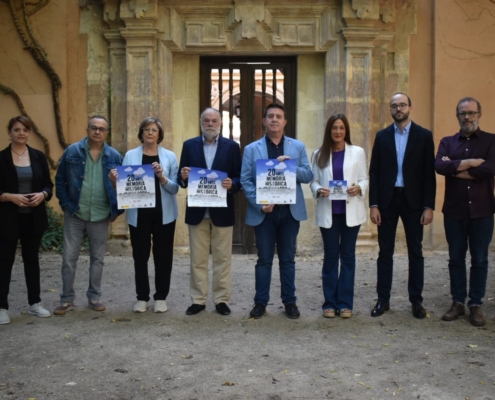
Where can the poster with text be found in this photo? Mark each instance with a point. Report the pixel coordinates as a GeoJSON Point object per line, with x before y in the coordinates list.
{"type": "Point", "coordinates": [275, 182]}
{"type": "Point", "coordinates": [338, 190]}
{"type": "Point", "coordinates": [205, 188]}
{"type": "Point", "coordinates": [135, 187]}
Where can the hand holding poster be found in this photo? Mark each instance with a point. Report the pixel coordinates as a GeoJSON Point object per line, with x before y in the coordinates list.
{"type": "Point", "coordinates": [205, 188]}
{"type": "Point", "coordinates": [275, 182]}
{"type": "Point", "coordinates": [135, 186]}
{"type": "Point", "coordinates": [338, 190]}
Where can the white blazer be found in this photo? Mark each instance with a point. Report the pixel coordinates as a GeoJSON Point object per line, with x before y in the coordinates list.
{"type": "Point", "coordinates": [355, 171]}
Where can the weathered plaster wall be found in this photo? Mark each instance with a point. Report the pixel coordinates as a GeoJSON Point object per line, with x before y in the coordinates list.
{"type": "Point", "coordinates": [56, 26]}
{"type": "Point", "coordinates": [464, 55]}
{"type": "Point", "coordinates": [310, 128]}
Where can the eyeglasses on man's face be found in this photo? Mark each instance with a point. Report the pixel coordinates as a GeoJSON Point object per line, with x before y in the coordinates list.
{"type": "Point", "coordinates": [470, 114]}
{"type": "Point", "coordinates": [401, 106]}
{"type": "Point", "coordinates": [97, 128]}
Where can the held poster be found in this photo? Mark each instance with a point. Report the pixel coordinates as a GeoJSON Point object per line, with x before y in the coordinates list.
{"type": "Point", "coordinates": [205, 188]}
{"type": "Point", "coordinates": [275, 182]}
{"type": "Point", "coordinates": [338, 190]}
{"type": "Point", "coordinates": [135, 187]}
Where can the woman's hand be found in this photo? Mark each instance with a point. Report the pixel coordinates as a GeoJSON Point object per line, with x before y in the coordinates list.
{"type": "Point", "coordinates": [35, 199]}
{"type": "Point", "coordinates": [20, 200]}
{"type": "Point", "coordinates": [354, 190]}
{"type": "Point", "coordinates": [159, 173]}
{"type": "Point", "coordinates": [113, 175]}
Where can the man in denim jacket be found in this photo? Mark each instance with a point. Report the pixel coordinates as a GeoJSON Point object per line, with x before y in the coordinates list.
{"type": "Point", "coordinates": [89, 203]}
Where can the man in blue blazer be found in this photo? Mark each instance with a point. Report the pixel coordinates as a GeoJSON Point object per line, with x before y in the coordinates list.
{"type": "Point", "coordinates": [402, 184]}
{"type": "Point", "coordinates": [211, 226]}
{"type": "Point", "coordinates": [275, 224]}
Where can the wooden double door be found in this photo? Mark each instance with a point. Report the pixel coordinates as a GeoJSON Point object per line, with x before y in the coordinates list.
{"type": "Point", "coordinates": [241, 88]}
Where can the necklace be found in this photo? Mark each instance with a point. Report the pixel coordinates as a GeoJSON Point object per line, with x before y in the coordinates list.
{"type": "Point", "coordinates": [20, 155]}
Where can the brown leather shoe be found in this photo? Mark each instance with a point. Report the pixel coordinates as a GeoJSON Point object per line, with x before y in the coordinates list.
{"type": "Point", "coordinates": [456, 310]}
{"type": "Point", "coordinates": [96, 305]}
{"type": "Point", "coordinates": [476, 316]}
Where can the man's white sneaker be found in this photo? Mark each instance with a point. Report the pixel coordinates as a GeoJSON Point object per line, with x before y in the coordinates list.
{"type": "Point", "coordinates": [160, 306]}
{"type": "Point", "coordinates": [140, 306]}
{"type": "Point", "coordinates": [38, 310]}
{"type": "Point", "coordinates": [4, 317]}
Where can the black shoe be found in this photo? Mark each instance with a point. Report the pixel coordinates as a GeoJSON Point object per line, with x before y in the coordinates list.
{"type": "Point", "coordinates": [257, 311]}
{"type": "Point", "coordinates": [195, 308]}
{"type": "Point", "coordinates": [380, 307]}
{"type": "Point", "coordinates": [292, 311]}
{"type": "Point", "coordinates": [223, 309]}
{"type": "Point", "coordinates": [417, 310]}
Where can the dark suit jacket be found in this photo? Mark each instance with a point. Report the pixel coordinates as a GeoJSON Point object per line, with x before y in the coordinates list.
{"type": "Point", "coordinates": [227, 159]}
{"type": "Point", "coordinates": [418, 168]}
{"type": "Point", "coordinates": [9, 184]}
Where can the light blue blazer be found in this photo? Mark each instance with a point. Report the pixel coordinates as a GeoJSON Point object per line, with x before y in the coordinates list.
{"type": "Point", "coordinates": [258, 150]}
{"type": "Point", "coordinates": [168, 191]}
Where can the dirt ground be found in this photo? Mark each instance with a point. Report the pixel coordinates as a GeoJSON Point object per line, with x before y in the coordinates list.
{"type": "Point", "coordinates": [117, 354]}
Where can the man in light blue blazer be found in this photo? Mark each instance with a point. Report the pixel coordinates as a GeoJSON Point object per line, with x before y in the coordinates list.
{"type": "Point", "coordinates": [275, 224]}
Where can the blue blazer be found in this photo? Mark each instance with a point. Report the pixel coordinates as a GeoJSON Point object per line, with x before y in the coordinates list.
{"type": "Point", "coordinates": [169, 202]}
{"type": "Point", "coordinates": [227, 159]}
{"type": "Point", "coordinates": [258, 150]}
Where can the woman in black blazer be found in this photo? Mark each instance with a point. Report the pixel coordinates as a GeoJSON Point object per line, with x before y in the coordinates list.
{"type": "Point", "coordinates": [25, 185]}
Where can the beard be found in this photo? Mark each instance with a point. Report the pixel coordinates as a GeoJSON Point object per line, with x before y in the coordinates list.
{"type": "Point", "coordinates": [469, 128]}
{"type": "Point", "coordinates": [210, 134]}
{"type": "Point", "coordinates": [403, 117]}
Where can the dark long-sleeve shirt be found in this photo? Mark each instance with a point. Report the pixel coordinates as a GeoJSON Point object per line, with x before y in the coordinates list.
{"type": "Point", "coordinates": [468, 198]}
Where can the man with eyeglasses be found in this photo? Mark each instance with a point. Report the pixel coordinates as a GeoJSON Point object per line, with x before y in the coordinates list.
{"type": "Point", "coordinates": [89, 202]}
{"type": "Point", "coordinates": [402, 185]}
{"type": "Point", "coordinates": [467, 160]}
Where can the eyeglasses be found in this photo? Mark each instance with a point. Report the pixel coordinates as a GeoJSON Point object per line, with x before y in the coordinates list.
{"type": "Point", "coordinates": [470, 114]}
{"type": "Point", "coordinates": [153, 130]}
{"type": "Point", "coordinates": [401, 106]}
{"type": "Point", "coordinates": [97, 128]}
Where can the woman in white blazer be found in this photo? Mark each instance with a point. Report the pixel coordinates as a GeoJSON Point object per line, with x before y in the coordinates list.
{"type": "Point", "coordinates": [159, 221]}
{"type": "Point", "coordinates": [339, 220]}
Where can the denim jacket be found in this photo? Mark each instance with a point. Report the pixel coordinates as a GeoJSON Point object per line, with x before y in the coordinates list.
{"type": "Point", "coordinates": [70, 176]}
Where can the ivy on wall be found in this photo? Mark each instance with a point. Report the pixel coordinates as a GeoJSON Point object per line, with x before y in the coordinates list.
{"type": "Point", "coordinates": [26, 9]}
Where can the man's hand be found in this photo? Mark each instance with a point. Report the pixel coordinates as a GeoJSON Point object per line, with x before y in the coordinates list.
{"type": "Point", "coordinates": [375, 216]}
{"type": "Point", "coordinates": [282, 158]}
{"type": "Point", "coordinates": [427, 216]}
{"type": "Point", "coordinates": [227, 183]}
{"type": "Point", "coordinates": [324, 192]}
{"type": "Point", "coordinates": [113, 175]}
{"type": "Point", "coordinates": [184, 173]}
{"type": "Point", "coordinates": [267, 208]}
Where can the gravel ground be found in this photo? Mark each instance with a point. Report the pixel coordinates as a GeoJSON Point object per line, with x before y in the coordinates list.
{"type": "Point", "coordinates": [117, 354]}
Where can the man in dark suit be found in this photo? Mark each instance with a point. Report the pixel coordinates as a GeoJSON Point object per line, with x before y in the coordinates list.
{"type": "Point", "coordinates": [211, 226]}
{"type": "Point", "coordinates": [402, 184]}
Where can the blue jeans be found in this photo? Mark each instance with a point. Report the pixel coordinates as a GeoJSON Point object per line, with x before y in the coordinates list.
{"type": "Point", "coordinates": [339, 241]}
{"type": "Point", "coordinates": [477, 233]}
{"type": "Point", "coordinates": [74, 229]}
{"type": "Point", "coordinates": [278, 228]}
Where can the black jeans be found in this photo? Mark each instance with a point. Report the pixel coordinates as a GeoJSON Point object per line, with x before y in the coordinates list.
{"type": "Point", "coordinates": [163, 254]}
{"type": "Point", "coordinates": [30, 244]}
{"type": "Point", "coordinates": [386, 239]}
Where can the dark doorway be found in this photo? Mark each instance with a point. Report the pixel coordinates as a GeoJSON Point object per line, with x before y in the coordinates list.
{"type": "Point", "coordinates": [241, 88]}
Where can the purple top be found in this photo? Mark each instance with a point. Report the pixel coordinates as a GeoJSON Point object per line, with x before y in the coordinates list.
{"type": "Point", "coordinates": [467, 198]}
{"type": "Point", "coordinates": [338, 206]}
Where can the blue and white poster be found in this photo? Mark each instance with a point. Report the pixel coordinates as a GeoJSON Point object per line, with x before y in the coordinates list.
{"type": "Point", "coordinates": [205, 188]}
{"type": "Point", "coordinates": [135, 186]}
{"type": "Point", "coordinates": [338, 190]}
{"type": "Point", "coordinates": [275, 182]}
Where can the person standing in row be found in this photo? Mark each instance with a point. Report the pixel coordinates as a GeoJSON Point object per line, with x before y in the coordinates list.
{"type": "Point", "coordinates": [211, 226]}
{"type": "Point", "coordinates": [275, 225]}
{"type": "Point", "coordinates": [402, 185]}
{"type": "Point", "coordinates": [157, 222]}
{"type": "Point", "coordinates": [89, 202]}
{"type": "Point", "coordinates": [467, 160]}
{"type": "Point", "coordinates": [339, 220]}
{"type": "Point", "coordinates": [25, 185]}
